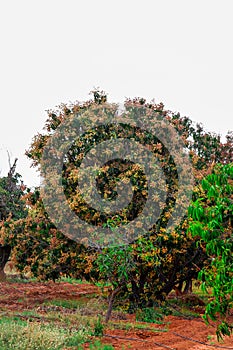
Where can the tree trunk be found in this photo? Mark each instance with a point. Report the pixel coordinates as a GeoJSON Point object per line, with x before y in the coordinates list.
{"type": "Point", "coordinates": [110, 303]}
{"type": "Point", "coordinates": [4, 256]}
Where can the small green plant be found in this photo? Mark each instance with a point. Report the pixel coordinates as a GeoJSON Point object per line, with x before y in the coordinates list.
{"type": "Point", "coordinates": [149, 315]}
{"type": "Point", "coordinates": [98, 328]}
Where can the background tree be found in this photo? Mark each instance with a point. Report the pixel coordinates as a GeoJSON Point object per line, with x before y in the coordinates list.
{"type": "Point", "coordinates": [12, 208]}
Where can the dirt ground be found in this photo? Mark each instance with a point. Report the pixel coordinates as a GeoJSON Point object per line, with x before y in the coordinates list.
{"type": "Point", "coordinates": [182, 334]}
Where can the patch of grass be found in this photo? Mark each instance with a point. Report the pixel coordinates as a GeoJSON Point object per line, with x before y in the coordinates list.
{"type": "Point", "coordinates": [65, 303]}
{"type": "Point", "coordinates": [98, 346]}
{"type": "Point", "coordinates": [73, 320]}
{"type": "Point", "coordinates": [183, 312]}
{"type": "Point", "coordinates": [72, 280]}
{"type": "Point", "coordinates": [93, 307]}
{"type": "Point", "coordinates": [134, 326]}
{"type": "Point", "coordinates": [83, 305]}
{"type": "Point", "coordinates": [19, 334]}
{"type": "Point", "coordinates": [180, 307]}
{"type": "Point", "coordinates": [30, 313]}
{"type": "Point", "coordinates": [18, 279]}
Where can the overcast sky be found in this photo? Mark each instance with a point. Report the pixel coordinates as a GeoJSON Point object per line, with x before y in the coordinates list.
{"type": "Point", "coordinates": [176, 51]}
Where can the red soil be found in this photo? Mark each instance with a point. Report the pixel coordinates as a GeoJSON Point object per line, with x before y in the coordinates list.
{"type": "Point", "coordinates": [25, 296]}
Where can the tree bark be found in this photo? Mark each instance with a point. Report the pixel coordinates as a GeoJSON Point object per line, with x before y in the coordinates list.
{"type": "Point", "coordinates": [110, 303]}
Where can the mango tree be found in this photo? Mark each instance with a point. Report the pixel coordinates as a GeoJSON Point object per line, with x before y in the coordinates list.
{"type": "Point", "coordinates": [212, 222]}
{"type": "Point", "coordinates": [157, 260]}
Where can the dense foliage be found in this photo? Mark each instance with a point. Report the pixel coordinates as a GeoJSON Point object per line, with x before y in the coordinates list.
{"type": "Point", "coordinates": [12, 208]}
{"type": "Point", "coordinates": [11, 191]}
{"type": "Point", "coordinates": [212, 215]}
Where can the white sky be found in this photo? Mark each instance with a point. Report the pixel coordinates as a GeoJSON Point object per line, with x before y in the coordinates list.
{"type": "Point", "coordinates": [179, 52]}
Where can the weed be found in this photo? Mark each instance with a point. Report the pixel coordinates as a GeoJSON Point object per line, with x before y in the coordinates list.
{"type": "Point", "coordinates": [149, 315]}
{"type": "Point", "coordinates": [98, 328]}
